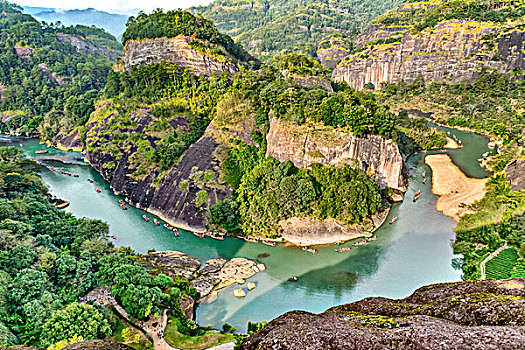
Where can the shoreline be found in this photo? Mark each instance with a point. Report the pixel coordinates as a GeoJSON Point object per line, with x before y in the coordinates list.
{"type": "Point", "coordinates": [454, 189]}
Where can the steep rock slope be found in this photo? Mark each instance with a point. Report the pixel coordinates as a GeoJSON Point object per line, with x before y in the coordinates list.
{"type": "Point", "coordinates": [406, 44]}
{"type": "Point", "coordinates": [462, 315]}
{"type": "Point", "coordinates": [171, 194]}
{"type": "Point", "coordinates": [306, 145]}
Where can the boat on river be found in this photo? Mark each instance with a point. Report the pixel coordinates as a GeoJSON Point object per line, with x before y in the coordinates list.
{"type": "Point", "coordinates": [145, 218]}
{"type": "Point", "coordinates": [424, 180]}
{"type": "Point", "coordinates": [417, 193]}
{"type": "Point", "coordinates": [98, 190]}
{"type": "Point", "coordinates": [309, 250]}
{"type": "Point", "coordinates": [217, 237]}
{"type": "Point", "coordinates": [358, 244]}
{"type": "Point", "coordinates": [271, 244]}
{"type": "Point", "coordinates": [156, 222]}
{"type": "Point", "coordinates": [393, 220]}
{"type": "Point", "coordinates": [292, 279]}
{"type": "Point", "coordinates": [200, 235]}
{"type": "Point", "coordinates": [342, 250]}
{"type": "Point", "coordinates": [252, 240]}
{"type": "Point", "coordinates": [75, 175]}
{"type": "Point", "coordinates": [41, 151]}
{"type": "Point", "coordinates": [90, 180]}
{"type": "Point", "coordinates": [415, 199]}
{"type": "Point", "coordinates": [123, 206]}
{"type": "Point", "coordinates": [175, 233]}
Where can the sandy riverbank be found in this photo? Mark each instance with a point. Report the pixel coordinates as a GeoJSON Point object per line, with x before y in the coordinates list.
{"type": "Point", "coordinates": [452, 186]}
{"type": "Point", "coordinates": [451, 144]}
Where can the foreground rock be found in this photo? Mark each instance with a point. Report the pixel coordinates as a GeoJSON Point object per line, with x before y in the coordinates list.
{"type": "Point", "coordinates": [462, 315]}
{"type": "Point", "coordinates": [208, 279]}
{"type": "Point", "coordinates": [455, 190]}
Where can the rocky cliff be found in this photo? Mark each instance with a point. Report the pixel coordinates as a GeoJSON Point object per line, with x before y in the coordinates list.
{"type": "Point", "coordinates": [453, 50]}
{"type": "Point", "coordinates": [83, 45]}
{"type": "Point", "coordinates": [202, 58]}
{"type": "Point", "coordinates": [171, 194]}
{"type": "Point", "coordinates": [515, 173]}
{"type": "Point", "coordinates": [462, 315]}
{"type": "Point", "coordinates": [308, 144]}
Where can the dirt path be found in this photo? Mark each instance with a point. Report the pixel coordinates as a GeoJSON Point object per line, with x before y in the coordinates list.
{"type": "Point", "coordinates": [454, 188]}
{"type": "Point", "coordinates": [492, 255]}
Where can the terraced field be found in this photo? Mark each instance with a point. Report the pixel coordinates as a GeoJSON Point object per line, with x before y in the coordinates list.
{"type": "Point", "coordinates": [500, 267]}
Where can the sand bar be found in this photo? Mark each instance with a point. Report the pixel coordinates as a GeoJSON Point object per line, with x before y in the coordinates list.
{"type": "Point", "coordinates": [451, 144]}
{"type": "Point", "coordinates": [452, 186]}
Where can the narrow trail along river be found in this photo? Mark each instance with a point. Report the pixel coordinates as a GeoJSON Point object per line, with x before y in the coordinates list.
{"type": "Point", "coordinates": [412, 252]}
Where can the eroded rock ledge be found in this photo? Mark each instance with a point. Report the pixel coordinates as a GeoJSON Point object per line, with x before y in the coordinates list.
{"type": "Point", "coordinates": [461, 315]}
{"type": "Point", "coordinates": [208, 278]}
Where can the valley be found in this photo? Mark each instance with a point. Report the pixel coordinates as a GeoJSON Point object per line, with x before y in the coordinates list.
{"type": "Point", "coordinates": [189, 181]}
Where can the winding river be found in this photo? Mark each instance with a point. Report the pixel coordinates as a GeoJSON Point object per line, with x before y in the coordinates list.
{"type": "Point", "coordinates": [413, 252]}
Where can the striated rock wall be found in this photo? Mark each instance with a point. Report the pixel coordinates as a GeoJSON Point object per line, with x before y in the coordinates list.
{"type": "Point", "coordinates": [178, 50]}
{"type": "Point", "coordinates": [306, 145]}
{"type": "Point", "coordinates": [452, 50]}
{"type": "Point", "coordinates": [461, 315]}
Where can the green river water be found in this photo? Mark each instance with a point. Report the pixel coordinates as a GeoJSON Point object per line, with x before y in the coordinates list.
{"type": "Point", "coordinates": [413, 252]}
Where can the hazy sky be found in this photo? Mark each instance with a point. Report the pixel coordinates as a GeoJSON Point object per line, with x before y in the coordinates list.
{"type": "Point", "coordinates": [113, 5]}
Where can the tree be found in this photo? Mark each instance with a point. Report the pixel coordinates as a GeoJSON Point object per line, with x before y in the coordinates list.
{"type": "Point", "coordinates": [76, 319]}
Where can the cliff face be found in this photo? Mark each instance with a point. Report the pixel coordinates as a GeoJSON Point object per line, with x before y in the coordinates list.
{"type": "Point", "coordinates": [306, 145]}
{"type": "Point", "coordinates": [515, 173]}
{"type": "Point", "coordinates": [453, 50]}
{"type": "Point", "coordinates": [462, 315]}
{"type": "Point", "coordinates": [86, 46]}
{"type": "Point", "coordinates": [171, 194]}
{"type": "Point", "coordinates": [201, 58]}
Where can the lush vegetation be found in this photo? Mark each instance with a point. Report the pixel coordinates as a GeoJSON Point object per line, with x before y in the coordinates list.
{"type": "Point", "coordinates": [49, 259]}
{"type": "Point", "coordinates": [423, 15]}
{"type": "Point", "coordinates": [46, 84]}
{"type": "Point", "coordinates": [271, 28]}
{"type": "Point", "coordinates": [496, 219]}
{"type": "Point", "coordinates": [302, 65]}
{"type": "Point", "coordinates": [170, 24]}
{"type": "Point", "coordinates": [492, 104]}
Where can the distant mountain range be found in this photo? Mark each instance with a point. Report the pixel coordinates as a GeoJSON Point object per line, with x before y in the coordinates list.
{"type": "Point", "coordinates": [112, 22]}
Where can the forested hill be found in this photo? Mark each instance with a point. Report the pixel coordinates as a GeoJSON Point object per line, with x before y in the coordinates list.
{"type": "Point", "coordinates": [268, 28]}
{"type": "Point", "coordinates": [49, 75]}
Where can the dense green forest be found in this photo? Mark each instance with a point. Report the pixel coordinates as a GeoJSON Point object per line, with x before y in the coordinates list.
{"type": "Point", "coordinates": [49, 259]}
{"type": "Point", "coordinates": [46, 85]}
{"type": "Point", "coordinates": [268, 29]}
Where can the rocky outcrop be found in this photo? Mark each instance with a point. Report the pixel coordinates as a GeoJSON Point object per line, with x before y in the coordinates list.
{"type": "Point", "coordinates": [515, 173]}
{"type": "Point", "coordinates": [308, 144]}
{"type": "Point", "coordinates": [201, 58]}
{"type": "Point", "coordinates": [24, 52]}
{"type": "Point", "coordinates": [86, 46]}
{"type": "Point", "coordinates": [307, 231]}
{"type": "Point", "coordinates": [208, 279]}
{"type": "Point", "coordinates": [70, 142]}
{"type": "Point", "coordinates": [462, 315]}
{"type": "Point", "coordinates": [50, 74]}
{"type": "Point", "coordinates": [453, 50]}
{"type": "Point", "coordinates": [331, 50]}
{"type": "Point", "coordinates": [313, 81]}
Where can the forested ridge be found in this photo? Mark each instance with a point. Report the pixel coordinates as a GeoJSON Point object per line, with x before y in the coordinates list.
{"type": "Point", "coordinates": [268, 29]}
{"type": "Point", "coordinates": [46, 85]}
